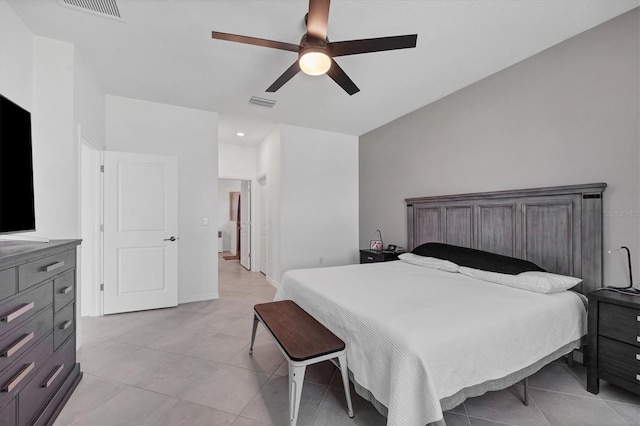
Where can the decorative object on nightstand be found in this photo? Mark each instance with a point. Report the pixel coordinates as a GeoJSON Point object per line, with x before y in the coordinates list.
{"type": "Point", "coordinates": [628, 289]}
{"type": "Point", "coordinates": [376, 244]}
{"type": "Point", "coordinates": [614, 340]}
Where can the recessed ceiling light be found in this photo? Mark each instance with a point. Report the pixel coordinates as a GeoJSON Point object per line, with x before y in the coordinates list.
{"type": "Point", "coordinates": [240, 134]}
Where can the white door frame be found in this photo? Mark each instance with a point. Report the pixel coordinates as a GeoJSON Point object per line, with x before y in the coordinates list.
{"type": "Point", "coordinates": [254, 262]}
{"type": "Point", "coordinates": [246, 248]}
{"type": "Point", "coordinates": [261, 215]}
{"type": "Point", "coordinates": [90, 268]}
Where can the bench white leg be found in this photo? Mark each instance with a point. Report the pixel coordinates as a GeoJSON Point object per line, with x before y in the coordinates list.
{"type": "Point", "coordinates": [342, 359]}
{"type": "Point", "coordinates": [296, 380]}
{"type": "Point", "coordinates": [253, 333]}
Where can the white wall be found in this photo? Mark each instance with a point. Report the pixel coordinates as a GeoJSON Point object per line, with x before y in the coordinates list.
{"type": "Point", "coordinates": [191, 135]}
{"type": "Point", "coordinates": [49, 78]}
{"type": "Point", "coordinates": [89, 103]}
{"type": "Point", "coordinates": [318, 199]}
{"type": "Point", "coordinates": [16, 58]}
{"type": "Point", "coordinates": [225, 186]}
{"type": "Point", "coordinates": [236, 161]}
{"type": "Point", "coordinates": [55, 147]}
{"type": "Point", "coordinates": [568, 115]}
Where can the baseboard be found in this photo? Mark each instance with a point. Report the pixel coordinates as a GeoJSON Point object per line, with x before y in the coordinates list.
{"type": "Point", "coordinates": [198, 298]}
{"type": "Point", "coordinates": [273, 282]}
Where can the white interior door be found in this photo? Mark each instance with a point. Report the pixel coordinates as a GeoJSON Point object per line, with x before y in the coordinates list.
{"type": "Point", "coordinates": [245, 224]}
{"type": "Point", "coordinates": [263, 225]}
{"type": "Point", "coordinates": [140, 232]}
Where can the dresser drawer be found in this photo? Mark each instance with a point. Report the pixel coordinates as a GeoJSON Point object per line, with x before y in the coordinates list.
{"type": "Point", "coordinates": [8, 414]}
{"type": "Point", "coordinates": [64, 324]}
{"type": "Point", "coordinates": [8, 283]}
{"type": "Point", "coordinates": [619, 323]}
{"type": "Point", "coordinates": [14, 378]}
{"type": "Point", "coordinates": [25, 306]}
{"type": "Point", "coordinates": [46, 382]}
{"type": "Point", "coordinates": [39, 270]}
{"type": "Point", "coordinates": [24, 337]}
{"type": "Point", "coordinates": [64, 290]}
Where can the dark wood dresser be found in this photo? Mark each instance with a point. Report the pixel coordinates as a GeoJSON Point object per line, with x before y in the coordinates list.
{"type": "Point", "coordinates": [371, 256]}
{"type": "Point", "coordinates": [38, 369]}
{"type": "Point", "coordinates": [614, 340]}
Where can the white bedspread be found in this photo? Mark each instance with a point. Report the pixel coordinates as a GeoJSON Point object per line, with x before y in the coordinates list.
{"type": "Point", "coordinates": [416, 335]}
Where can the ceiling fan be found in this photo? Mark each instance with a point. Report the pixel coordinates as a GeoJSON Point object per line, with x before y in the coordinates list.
{"type": "Point", "coordinates": [316, 52]}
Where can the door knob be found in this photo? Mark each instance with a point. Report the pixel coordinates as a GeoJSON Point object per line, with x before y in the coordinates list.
{"type": "Point", "coordinates": [172, 238]}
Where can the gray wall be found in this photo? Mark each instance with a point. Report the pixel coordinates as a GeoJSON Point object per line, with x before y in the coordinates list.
{"type": "Point", "coordinates": [568, 115]}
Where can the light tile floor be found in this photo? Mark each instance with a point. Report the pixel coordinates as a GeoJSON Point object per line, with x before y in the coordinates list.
{"type": "Point", "coordinates": [190, 366]}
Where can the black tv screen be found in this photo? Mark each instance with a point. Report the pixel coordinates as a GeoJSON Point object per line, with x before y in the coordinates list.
{"type": "Point", "coordinates": [17, 212]}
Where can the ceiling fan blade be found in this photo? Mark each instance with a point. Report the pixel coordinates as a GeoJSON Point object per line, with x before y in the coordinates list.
{"type": "Point", "coordinates": [355, 47]}
{"type": "Point", "coordinates": [286, 76]}
{"type": "Point", "coordinates": [255, 41]}
{"type": "Point", "coordinates": [318, 18]}
{"type": "Point", "coordinates": [338, 75]}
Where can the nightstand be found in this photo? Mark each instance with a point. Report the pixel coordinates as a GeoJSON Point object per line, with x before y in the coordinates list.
{"type": "Point", "coordinates": [614, 340]}
{"type": "Point", "coordinates": [371, 256]}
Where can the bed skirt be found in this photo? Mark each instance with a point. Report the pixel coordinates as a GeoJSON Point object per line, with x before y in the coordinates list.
{"type": "Point", "coordinates": [491, 385]}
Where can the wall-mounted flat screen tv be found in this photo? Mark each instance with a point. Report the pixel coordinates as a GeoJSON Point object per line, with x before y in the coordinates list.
{"type": "Point", "coordinates": [17, 211]}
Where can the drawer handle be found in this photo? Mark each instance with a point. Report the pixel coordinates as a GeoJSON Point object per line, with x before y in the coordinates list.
{"type": "Point", "coordinates": [638, 357]}
{"type": "Point", "coordinates": [53, 266]}
{"type": "Point", "coordinates": [66, 325]}
{"type": "Point", "coordinates": [369, 258]}
{"type": "Point", "coordinates": [13, 383]}
{"type": "Point", "coordinates": [638, 377]}
{"type": "Point", "coordinates": [19, 344]}
{"type": "Point", "coordinates": [638, 339]}
{"type": "Point", "coordinates": [53, 377]}
{"type": "Point", "coordinates": [66, 290]}
{"type": "Point", "coordinates": [18, 312]}
{"type": "Point", "coordinates": [638, 318]}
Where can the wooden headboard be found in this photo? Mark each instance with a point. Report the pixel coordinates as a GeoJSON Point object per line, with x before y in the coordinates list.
{"type": "Point", "coordinates": [558, 228]}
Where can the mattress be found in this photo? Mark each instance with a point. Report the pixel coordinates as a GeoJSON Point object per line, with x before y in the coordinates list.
{"type": "Point", "coordinates": [417, 336]}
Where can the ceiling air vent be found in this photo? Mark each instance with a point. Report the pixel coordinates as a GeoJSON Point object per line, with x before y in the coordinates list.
{"type": "Point", "coordinates": [269, 103]}
{"type": "Point", "coordinates": [104, 8]}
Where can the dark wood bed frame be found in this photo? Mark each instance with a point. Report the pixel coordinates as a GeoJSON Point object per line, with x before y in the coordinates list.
{"type": "Point", "coordinates": [558, 228]}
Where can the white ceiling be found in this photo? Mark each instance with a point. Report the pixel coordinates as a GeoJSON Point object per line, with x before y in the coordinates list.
{"type": "Point", "coordinates": [163, 52]}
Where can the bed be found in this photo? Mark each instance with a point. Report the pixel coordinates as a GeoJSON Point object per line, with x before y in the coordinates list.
{"type": "Point", "coordinates": [422, 338]}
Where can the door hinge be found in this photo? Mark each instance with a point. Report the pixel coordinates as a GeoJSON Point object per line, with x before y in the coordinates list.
{"type": "Point", "coordinates": [102, 168]}
{"type": "Point", "coordinates": [101, 287]}
{"type": "Point", "coordinates": [101, 228]}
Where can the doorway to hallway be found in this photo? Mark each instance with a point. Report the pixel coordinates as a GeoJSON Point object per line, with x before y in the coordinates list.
{"type": "Point", "coordinates": [234, 221]}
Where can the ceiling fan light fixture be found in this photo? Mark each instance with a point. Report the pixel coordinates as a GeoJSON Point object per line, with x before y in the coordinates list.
{"type": "Point", "coordinates": [314, 62]}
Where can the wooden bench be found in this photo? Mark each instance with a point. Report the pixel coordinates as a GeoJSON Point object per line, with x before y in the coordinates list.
{"type": "Point", "coordinates": [303, 341]}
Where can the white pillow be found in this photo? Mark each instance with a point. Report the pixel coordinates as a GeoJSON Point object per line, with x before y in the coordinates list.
{"type": "Point", "coordinates": [540, 282]}
{"type": "Point", "coordinates": [429, 262]}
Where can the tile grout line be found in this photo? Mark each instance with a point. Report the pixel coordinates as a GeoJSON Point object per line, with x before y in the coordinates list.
{"type": "Point", "coordinates": [539, 410]}
{"type": "Point", "coordinates": [492, 421]}
{"type": "Point", "coordinates": [616, 413]}
{"type": "Point", "coordinates": [574, 374]}
{"type": "Point", "coordinates": [324, 395]}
